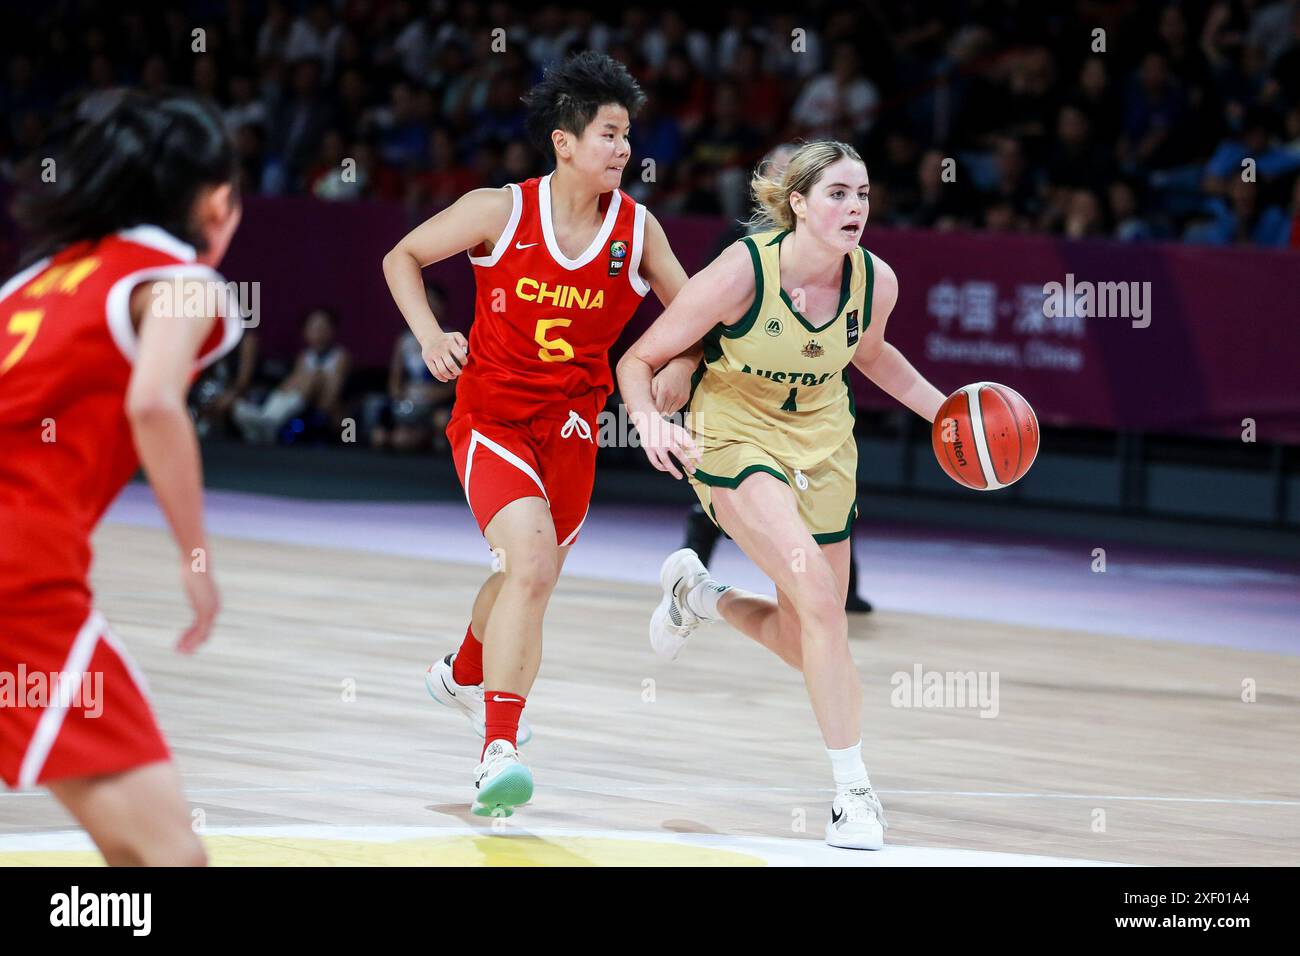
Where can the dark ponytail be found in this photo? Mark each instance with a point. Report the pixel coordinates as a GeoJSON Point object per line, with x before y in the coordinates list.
{"type": "Point", "coordinates": [123, 159]}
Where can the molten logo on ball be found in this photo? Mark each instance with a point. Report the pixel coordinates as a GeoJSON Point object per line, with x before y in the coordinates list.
{"type": "Point", "coordinates": [957, 450]}
{"type": "Point", "coordinates": [1002, 434]}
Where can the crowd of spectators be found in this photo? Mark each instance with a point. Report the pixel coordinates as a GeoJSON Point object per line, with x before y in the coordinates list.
{"type": "Point", "coordinates": [1119, 118]}
{"type": "Point", "coordinates": [320, 397]}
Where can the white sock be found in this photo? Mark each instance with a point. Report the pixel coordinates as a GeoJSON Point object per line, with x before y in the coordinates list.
{"type": "Point", "coordinates": [848, 767]}
{"type": "Point", "coordinates": [703, 598]}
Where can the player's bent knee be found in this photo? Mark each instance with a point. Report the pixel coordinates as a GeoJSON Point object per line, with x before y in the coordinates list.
{"type": "Point", "coordinates": [534, 574]}
{"type": "Point", "coordinates": [820, 612]}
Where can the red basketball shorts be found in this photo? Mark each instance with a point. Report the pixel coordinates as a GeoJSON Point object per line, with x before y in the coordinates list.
{"type": "Point", "coordinates": [72, 703]}
{"type": "Point", "coordinates": [500, 462]}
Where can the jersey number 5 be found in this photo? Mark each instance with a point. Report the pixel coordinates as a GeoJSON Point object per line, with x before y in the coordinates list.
{"type": "Point", "coordinates": [552, 350]}
{"type": "Point", "coordinates": [24, 324]}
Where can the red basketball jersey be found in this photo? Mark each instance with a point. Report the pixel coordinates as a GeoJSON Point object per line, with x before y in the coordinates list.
{"type": "Point", "coordinates": [544, 323]}
{"type": "Point", "coordinates": [66, 347]}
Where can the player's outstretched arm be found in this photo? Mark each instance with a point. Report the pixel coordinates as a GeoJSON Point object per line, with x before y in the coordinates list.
{"type": "Point", "coordinates": [169, 449]}
{"type": "Point", "coordinates": [479, 216]}
{"type": "Point", "coordinates": [885, 365]}
{"type": "Point", "coordinates": [671, 386]}
{"type": "Point", "coordinates": [721, 292]}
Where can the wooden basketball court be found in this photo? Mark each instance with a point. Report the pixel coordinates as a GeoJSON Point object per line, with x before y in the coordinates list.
{"type": "Point", "coordinates": [305, 735]}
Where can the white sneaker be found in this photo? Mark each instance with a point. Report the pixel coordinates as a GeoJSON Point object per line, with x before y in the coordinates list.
{"type": "Point", "coordinates": [857, 820]}
{"type": "Point", "coordinates": [502, 782]}
{"type": "Point", "coordinates": [467, 698]}
{"type": "Point", "coordinates": [673, 621]}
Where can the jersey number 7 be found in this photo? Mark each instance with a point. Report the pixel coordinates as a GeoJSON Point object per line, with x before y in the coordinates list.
{"type": "Point", "coordinates": [24, 324]}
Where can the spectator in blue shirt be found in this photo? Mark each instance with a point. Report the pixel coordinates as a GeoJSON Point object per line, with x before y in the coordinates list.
{"type": "Point", "coordinates": [1239, 220]}
{"type": "Point", "coordinates": [1255, 142]}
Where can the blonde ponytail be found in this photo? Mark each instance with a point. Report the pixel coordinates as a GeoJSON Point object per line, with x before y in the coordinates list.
{"type": "Point", "coordinates": [771, 193]}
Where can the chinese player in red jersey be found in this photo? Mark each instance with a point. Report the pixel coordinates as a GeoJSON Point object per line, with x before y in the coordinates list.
{"type": "Point", "coordinates": [560, 265]}
{"type": "Point", "coordinates": [94, 369]}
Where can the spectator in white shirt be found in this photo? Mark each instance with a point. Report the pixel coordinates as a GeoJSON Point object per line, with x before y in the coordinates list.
{"type": "Point", "coordinates": [840, 104]}
{"type": "Point", "coordinates": [315, 36]}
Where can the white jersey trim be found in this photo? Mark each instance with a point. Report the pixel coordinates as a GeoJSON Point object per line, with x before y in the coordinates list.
{"type": "Point", "coordinates": [574, 533]}
{"type": "Point", "coordinates": [158, 238]}
{"type": "Point", "coordinates": [548, 231]}
{"type": "Point", "coordinates": [638, 241]}
{"type": "Point", "coordinates": [117, 309]}
{"type": "Point", "coordinates": [508, 234]}
{"type": "Point", "coordinates": [22, 278]}
{"type": "Point", "coordinates": [152, 236]}
{"type": "Point", "coordinates": [478, 438]}
{"type": "Point", "coordinates": [51, 722]}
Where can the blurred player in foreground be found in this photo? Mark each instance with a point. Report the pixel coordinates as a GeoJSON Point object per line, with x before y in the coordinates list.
{"type": "Point", "coordinates": [100, 338]}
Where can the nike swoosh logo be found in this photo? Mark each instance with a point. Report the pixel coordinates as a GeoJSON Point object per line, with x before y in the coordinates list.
{"type": "Point", "coordinates": [520, 245]}
{"type": "Point", "coordinates": [497, 698]}
{"type": "Point", "coordinates": [835, 815]}
{"type": "Point", "coordinates": [444, 684]}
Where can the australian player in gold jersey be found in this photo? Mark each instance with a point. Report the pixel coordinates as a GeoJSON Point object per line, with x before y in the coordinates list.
{"type": "Point", "coordinates": [768, 442]}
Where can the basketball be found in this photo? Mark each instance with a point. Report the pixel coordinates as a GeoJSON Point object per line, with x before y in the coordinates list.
{"type": "Point", "coordinates": [985, 436]}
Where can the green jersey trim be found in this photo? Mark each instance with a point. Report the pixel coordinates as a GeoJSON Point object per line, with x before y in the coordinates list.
{"type": "Point", "coordinates": [746, 321]}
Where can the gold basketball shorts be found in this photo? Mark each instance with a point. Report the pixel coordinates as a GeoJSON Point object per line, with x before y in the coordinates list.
{"type": "Point", "coordinates": [826, 493]}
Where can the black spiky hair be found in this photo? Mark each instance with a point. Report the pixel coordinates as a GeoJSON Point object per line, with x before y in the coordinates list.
{"type": "Point", "coordinates": [573, 91]}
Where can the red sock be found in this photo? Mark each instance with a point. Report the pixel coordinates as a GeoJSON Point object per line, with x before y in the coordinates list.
{"type": "Point", "coordinates": [467, 666]}
{"type": "Point", "coordinates": [502, 716]}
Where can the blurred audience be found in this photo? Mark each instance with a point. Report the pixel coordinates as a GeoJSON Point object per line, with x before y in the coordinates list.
{"type": "Point", "coordinates": [314, 388]}
{"type": "Point", "coordinates": [213, 397]}
{"type": "Point", "coordinates": [1004, 117]}
{"type": "Point", "coordinates": [416, 101]}
{"type": "Point", "coordinates": [414, 412]}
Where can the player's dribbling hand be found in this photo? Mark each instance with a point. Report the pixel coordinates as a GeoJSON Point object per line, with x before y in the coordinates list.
{"type": "Point", "coordinates": [663, 441]}
{"type": "Point", "coordinates": [445, 354]}
{"type": "Point", "coordinates": [201, 592]}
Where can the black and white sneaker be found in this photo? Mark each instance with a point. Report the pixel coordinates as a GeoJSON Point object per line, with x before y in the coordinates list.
{"type": "Point", "coordinates": [466, 698]}
{"type": "Point", "coordinates": [673, 621]}
{"type": "Point", "coordinates": [857, 820]}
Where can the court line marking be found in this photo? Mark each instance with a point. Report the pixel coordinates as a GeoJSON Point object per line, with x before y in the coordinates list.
{"type": "Point", "coordinates": [774, 851]}
{"type": "Point", "coordinates": [432, 791]}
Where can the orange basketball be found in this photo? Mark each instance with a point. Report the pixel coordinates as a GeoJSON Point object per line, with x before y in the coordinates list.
{"type": "Point", "coordinates": [985, 436]}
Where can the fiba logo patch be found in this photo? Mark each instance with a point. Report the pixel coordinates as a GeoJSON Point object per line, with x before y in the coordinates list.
{"type": "Point", "coordinates": [773, 327]}
{"type": "Point", "coordinates": [617, 252]}
{"type": "Point", "coordinates": [853, 326]}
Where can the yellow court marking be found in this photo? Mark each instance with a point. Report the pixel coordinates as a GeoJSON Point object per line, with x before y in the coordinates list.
{"type": "Point", "coordinates": [426, 851]}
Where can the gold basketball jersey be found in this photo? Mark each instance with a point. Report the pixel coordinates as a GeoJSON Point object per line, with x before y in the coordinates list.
{"type": "Point", "coordinates": [774, 379]}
